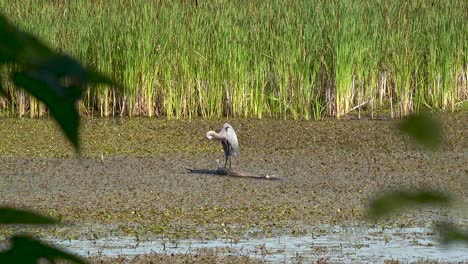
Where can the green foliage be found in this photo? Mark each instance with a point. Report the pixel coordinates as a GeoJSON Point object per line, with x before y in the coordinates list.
{"type": "Point", "coordinates": [14, 216]}
{"type": "Point", "coordinates": [422, 128]}
{"type": "Point", "coordinates": [301, 59]}
{"type": "Point", "coordinates": [223, 60]}
{"type": "Point", "coordinates": [57, 80]}
{"type": "Point", "coordinates": [449, 233]}
{"type": "Point", "coordinates": [425, 130]}
{"type": "Point", "coordinates": [27, 250]}
{"type": "Point", "coordinates": [62, 108]}
{"type": "Point", "coordinates": [395, 201]}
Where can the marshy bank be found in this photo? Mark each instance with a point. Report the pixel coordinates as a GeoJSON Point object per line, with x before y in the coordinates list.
{"type": "Point", "coordinates": [132, 181]}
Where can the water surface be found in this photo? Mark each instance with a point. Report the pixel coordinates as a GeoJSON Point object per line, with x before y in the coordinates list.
{"type": "Point", "coordinates": [334, 243]}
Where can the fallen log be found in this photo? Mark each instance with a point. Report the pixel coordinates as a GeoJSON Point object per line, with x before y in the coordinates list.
{"type": "Point", "coordinates": [232, 173]}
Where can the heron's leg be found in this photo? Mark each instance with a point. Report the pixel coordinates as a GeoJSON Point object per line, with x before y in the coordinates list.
{"type": "Point", "coordinates": [225, 163]}
{"type": "Point", "coordinates": [230, 159]}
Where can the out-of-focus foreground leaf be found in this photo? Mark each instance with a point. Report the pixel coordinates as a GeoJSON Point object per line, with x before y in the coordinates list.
{"type": "Point", "coordinates": [95, 77]}
{"type": "Point", "coordinates": [57, 80]}
{"type": "Point", "coordinates": [449, 233]}
{"type": "Point", "coordinates": [28, 250]}
{"type": "Point", "coordinates": [423, 129]}
{"type": "Point", "coordinates": [19, 47]}
{"type": "Point", "coordinates": [395, 201]}
{"type": "Point", "coordinates": [2, 92]}
{"type": "Point", "coordinates": [14, 216]}
{"type": "Point", "coordinates": [63, 109]}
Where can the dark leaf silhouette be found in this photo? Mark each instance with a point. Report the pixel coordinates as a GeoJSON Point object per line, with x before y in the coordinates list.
{"type": "Point", "coordinates": [423, 129]}
{"type": "Point", "coordinates": [392, 202]}
{"type": "Point", "coordinates": [62, 108]}
{"type": "Point", "coordinates": [14, 216]}
{"type": "Point", "coordinates": [96, 78]}
{"type": "Point", "coordinates": [20, 47]}
{"type": "Point", "coordinates": [27, 250]}
{"type": "Point", "coordinates": [2, 92]}
{"type": "Point", "coordinates": [449, 233]}
{"type": "Point", "coordinates": [58, 80]}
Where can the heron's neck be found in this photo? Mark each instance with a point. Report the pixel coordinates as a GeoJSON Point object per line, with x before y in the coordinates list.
{"type": "Point", "coordinates": [212, 134]}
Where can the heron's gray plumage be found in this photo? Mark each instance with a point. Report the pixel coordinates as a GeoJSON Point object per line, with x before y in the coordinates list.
{"type": "Point", "coordinates": [228, 139]}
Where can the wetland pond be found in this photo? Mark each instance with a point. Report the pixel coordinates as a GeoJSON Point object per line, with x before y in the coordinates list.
{"type": "Point", "coordinates": [130, 194]}
{"type": "Point", "coordinates": [331, 243]}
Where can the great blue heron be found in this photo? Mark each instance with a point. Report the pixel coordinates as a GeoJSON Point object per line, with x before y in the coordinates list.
{"type": "Point", "coordinates": [228, 138]}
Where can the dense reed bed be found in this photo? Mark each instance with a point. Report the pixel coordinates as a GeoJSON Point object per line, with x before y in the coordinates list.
{"type": "Point", "coordinates": [300, 59]}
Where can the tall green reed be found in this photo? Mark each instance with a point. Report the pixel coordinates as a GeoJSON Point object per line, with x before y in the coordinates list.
{"type": "Point", "coordinates": [294, 59]}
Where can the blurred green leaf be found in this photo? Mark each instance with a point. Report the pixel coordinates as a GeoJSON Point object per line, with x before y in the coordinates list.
{"type": "Point", "coordinates": [423, 129]}
{"type": "Point", "coordinates": [392, 202]}
{"type": "Point", "coordinates": [61, 73]}
{"type": "Point", "coordinates": [94, 77]}
{"type": "Point", "coordinates": [19, 47]}
{"type": "Point", "coordinates": [2, 92]}
{"type": "Point", "coordinates": [27, 250]}
{"type": "Point", "coordinates": [449, 233]}
{"type": "Point", "coordinates": [62, 106]}
{"type": "Point", "coordinates": [57, 80]}
{"type": "Point", "coordinates": [10, 43]}
{"type": "Point", "coordinates": [14, 216]}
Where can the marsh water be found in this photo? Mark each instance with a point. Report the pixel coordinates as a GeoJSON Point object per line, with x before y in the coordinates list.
{"type": "Point", "coordinates": [132, 192]}
{"type": "Point", "coordinates": [335, 244]}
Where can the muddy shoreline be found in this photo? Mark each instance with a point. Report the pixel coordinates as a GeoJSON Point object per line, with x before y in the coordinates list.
{"type": "Point", "coordinates": [132, 179]}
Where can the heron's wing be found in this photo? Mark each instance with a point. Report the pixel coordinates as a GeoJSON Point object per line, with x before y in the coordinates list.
{"type": "Point", "coordinates": [231, 138]}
